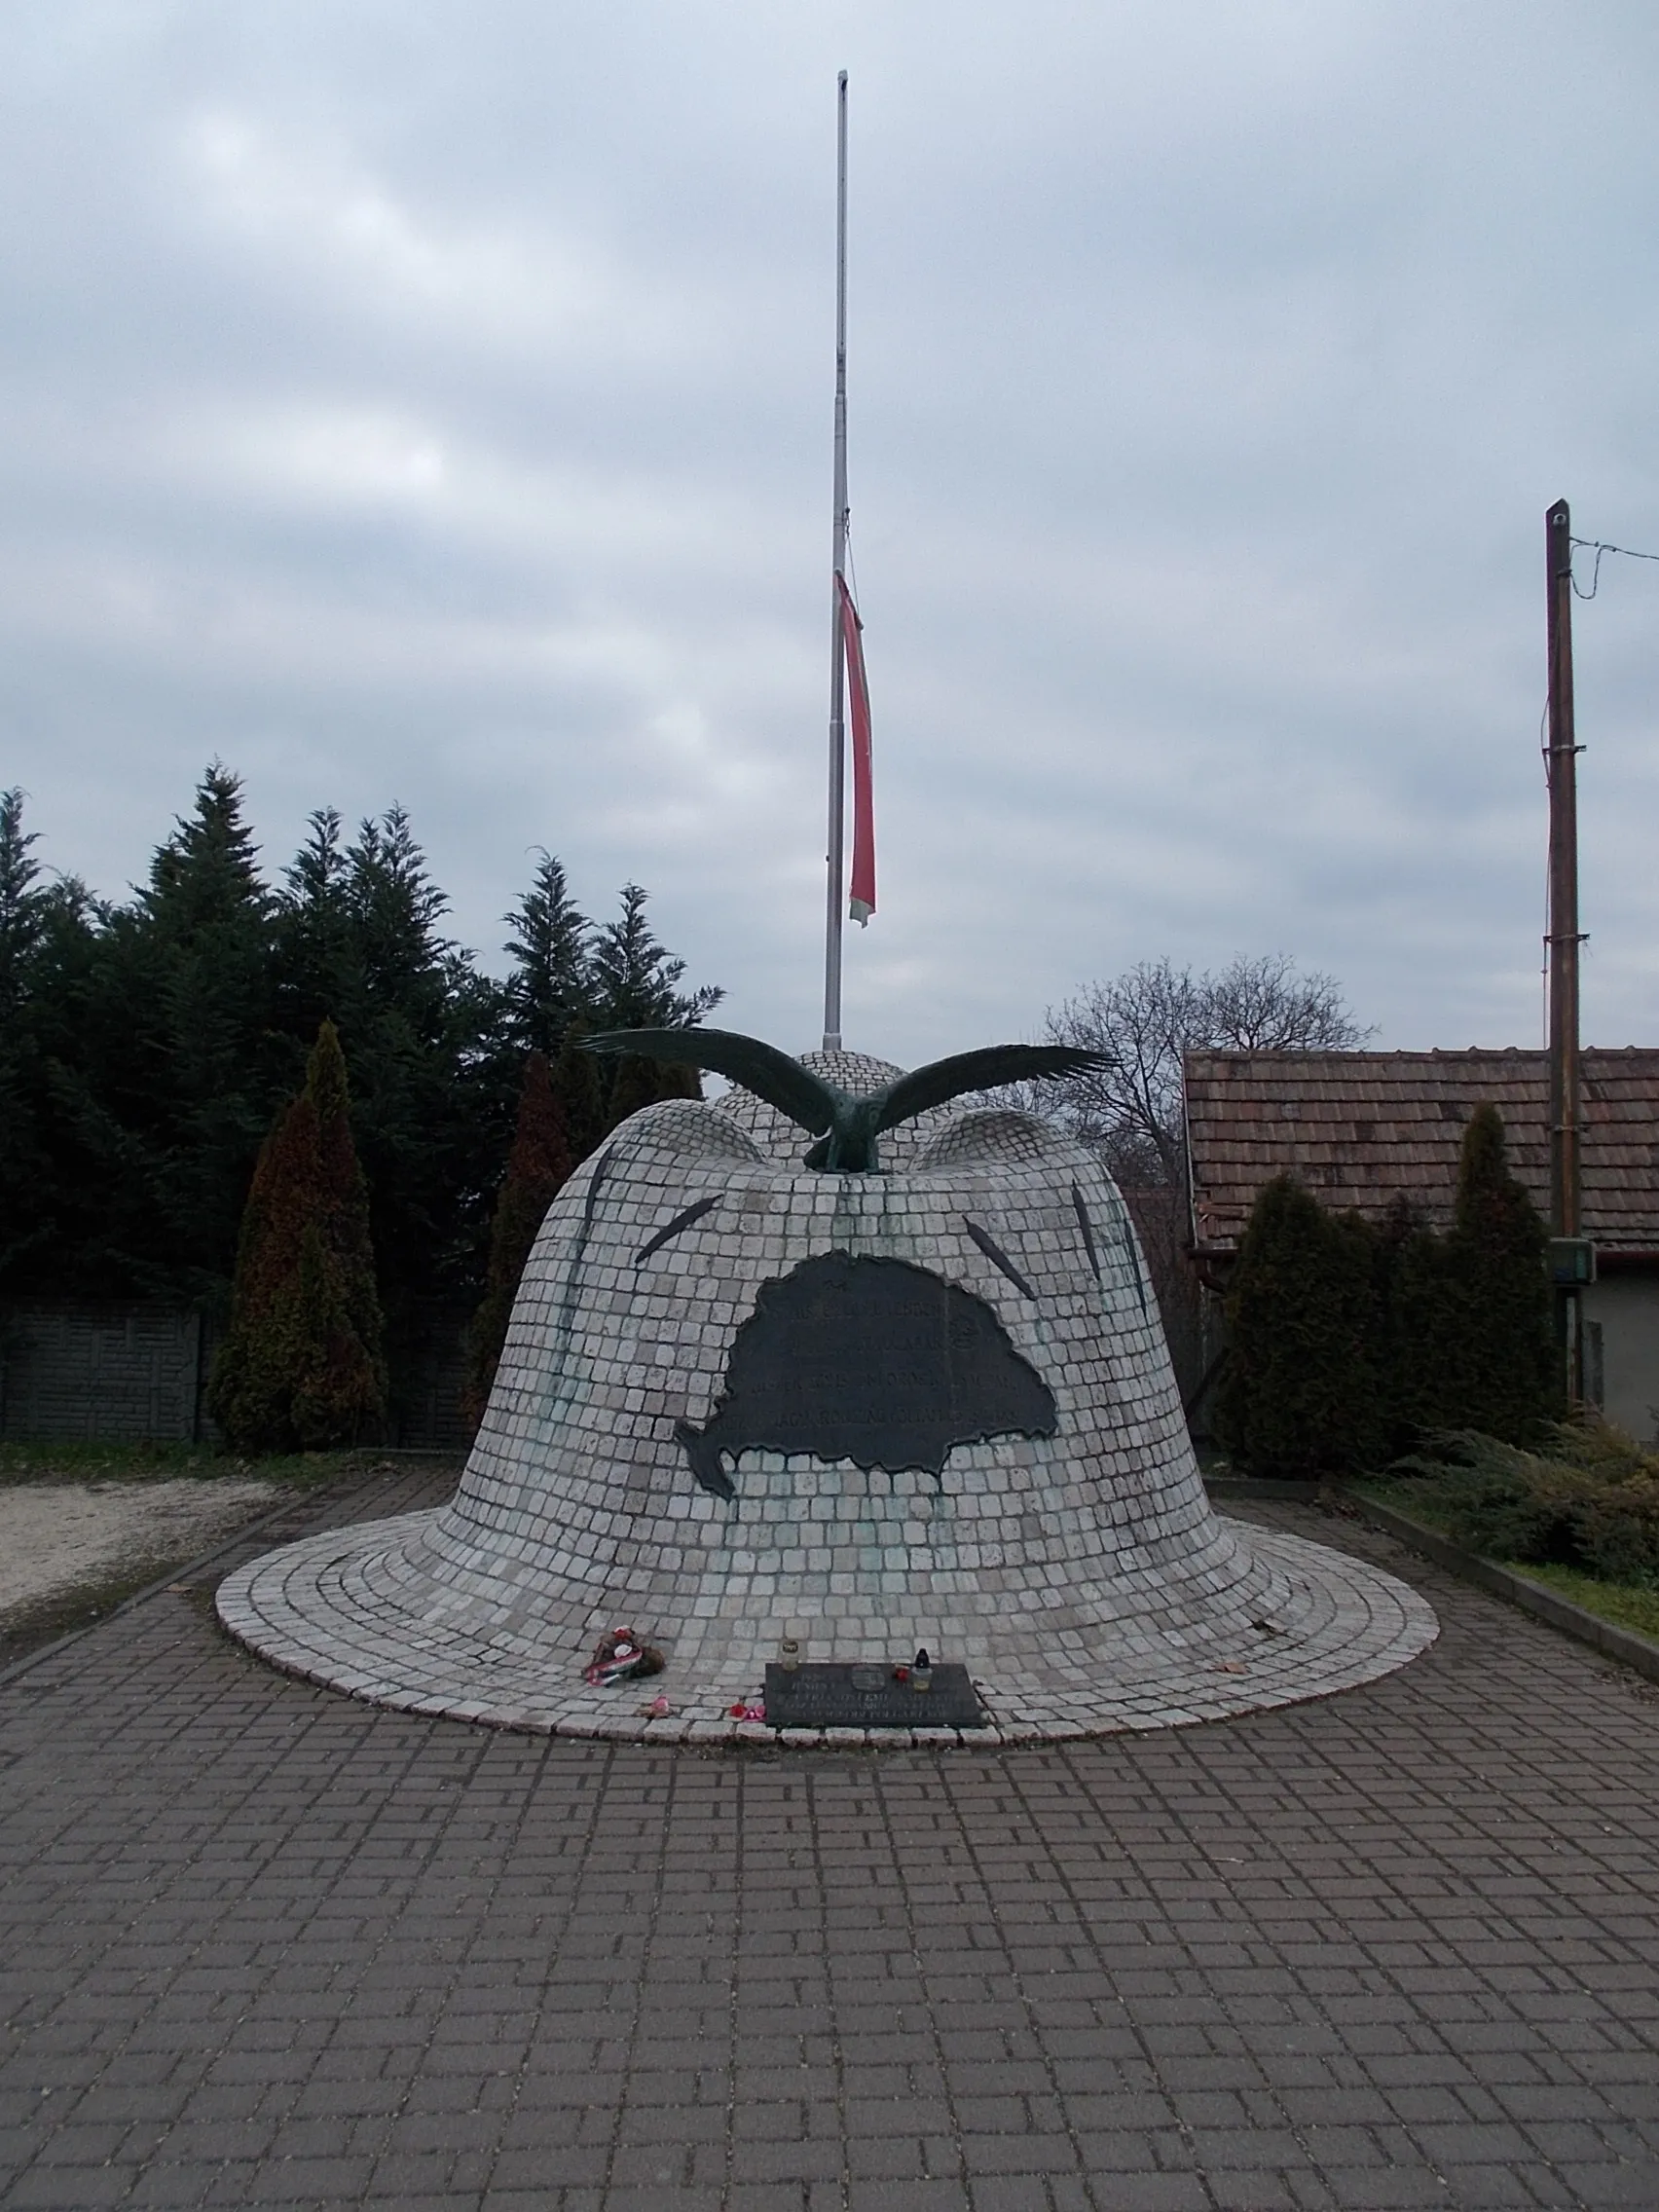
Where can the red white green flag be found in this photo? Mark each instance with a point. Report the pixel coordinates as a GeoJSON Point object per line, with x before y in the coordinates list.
{"type": "Point", "coordinates": [862, 904]}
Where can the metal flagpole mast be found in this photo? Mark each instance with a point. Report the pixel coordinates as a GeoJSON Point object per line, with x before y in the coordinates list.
{"type": "Point", "coordinates": [836, 915]}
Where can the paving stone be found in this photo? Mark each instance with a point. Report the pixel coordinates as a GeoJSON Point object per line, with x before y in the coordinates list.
{"type": "Point", "coordinates": [1144, 1971]}
{"type": "Point", "coordinates": [908, 2197]}
{"type": "Point", "coordinates": [1154, 2193]}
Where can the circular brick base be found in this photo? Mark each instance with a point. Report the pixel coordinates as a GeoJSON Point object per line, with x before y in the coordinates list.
{"type": "Point", "coordinates": [358, 1610]}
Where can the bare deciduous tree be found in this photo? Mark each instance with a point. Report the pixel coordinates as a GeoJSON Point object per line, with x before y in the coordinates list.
{"type": "Point", "coordinates": [1146, 1019]}
{"type": "Point", "coordinates": [1129, 1111]}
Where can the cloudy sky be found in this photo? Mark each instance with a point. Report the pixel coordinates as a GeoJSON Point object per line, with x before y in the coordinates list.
{"type": "Point", "coordinates": [431, 403]}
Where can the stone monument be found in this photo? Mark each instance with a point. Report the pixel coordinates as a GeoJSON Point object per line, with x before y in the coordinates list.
{"type": "Point", "coordinates": [906, 1390]}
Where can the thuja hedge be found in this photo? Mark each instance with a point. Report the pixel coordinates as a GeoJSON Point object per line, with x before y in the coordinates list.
{"type": "Point", "coordinates": [1349, 1340]}
{"type": "Point", "coordinates": [301, 1366]}
{"type": "Point", "coordinates": [537, 1166]}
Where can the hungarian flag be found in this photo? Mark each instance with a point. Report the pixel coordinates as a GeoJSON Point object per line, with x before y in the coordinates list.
{"type": "Point", "coordinates": [862, 904]}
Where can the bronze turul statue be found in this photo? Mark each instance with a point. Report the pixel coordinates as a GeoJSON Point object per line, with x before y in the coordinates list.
{"type": "Point", "coordinates": [845, 1123]}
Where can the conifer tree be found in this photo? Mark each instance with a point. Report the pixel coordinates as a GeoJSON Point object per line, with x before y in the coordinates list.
{"type": "Point", "coordinates": [1425, 1322]}
{"type": "Point", "coordinates": [632, 1085]}
{"type": "Point", "coordinates": [548, 988]}
{"type": "Point", "coordinates": [21, 901]}
{"type": "Point", "coordinates": [318, 970]}
{"type": "Point", "coordinates": [1467, 1327]}
{"type": "Point", "coordinates": [431, 1116]}
{"type": "Point", "coordinates": [301, 1366]}
{"type": "Point", "coordinates": [678, 1082]}
{"type": "Point", "coordinates": [177, 1047]}
{"type": "Point", "coordinates": [632, 979]}
{"type": "Point", "coordinates": [26, 1198]}
{"type": "Point", "coordinates": [1298, 1399]}
{"type": "Point", "coordinates": [1510, 1382]}
{"type": "Point", "coordinates": [145, 1047]}
{"type": "Point", "coordinates": [537, 1166]}
{"type": "Point", "coordinates": [577, 1086]}
{"type": "Point", "coordinates": [637, 1083]}
{"type": "Point", "coordinates": [58, 1181]}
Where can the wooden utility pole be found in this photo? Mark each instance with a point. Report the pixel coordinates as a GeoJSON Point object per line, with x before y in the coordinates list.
{"type": "Point", "coordinates": [1564, 938]}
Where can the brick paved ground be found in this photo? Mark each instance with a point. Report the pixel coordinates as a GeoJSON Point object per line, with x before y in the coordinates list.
{"type": "Point", "coordinates": [260, 1945]}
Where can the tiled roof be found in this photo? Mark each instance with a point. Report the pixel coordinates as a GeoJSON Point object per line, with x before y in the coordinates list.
{"type": "Point", "coordinates": [1358, 1128]}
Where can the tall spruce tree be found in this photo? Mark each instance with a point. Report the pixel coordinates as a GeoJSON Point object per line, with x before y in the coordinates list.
{"type": "Point", "coordinates": [1299, 1398]}
{"type": "Point", "coordinates": [632, 979]}
{"type": "Point", "coordinates": [633, 984]}
{"type": "Point", "coordinates": [22, 1157]}
{"type": "Point", "coordinates": [21, 901]}
{"type": "Point", "coordinates": [301, 1366]}
{"type": "Point", "coordinates": [317, 967]}
{"type": "Point", "coordinates": [176, 1058]}
{"type": "Point", "coordinates": [537, 1166]}
{"type": "Point", "coordinates": [30, 1196]}
{"type": "Point", "coordinates": [360, 940]}
{"type": "Point", "coordinates": [548, 987]}
{"type": "Point", "coordinates": [61, 1162]}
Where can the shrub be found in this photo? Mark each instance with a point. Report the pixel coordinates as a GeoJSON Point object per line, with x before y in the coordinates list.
{"type": "Point", "coordinates": [1599, 1448]}
{"type": "Point", "coordinates": [1497, 1498]}
{"type": "Point", "coordinates": [1588, 1498]}
{"type": "Point", "coordinates": [1616, 1532]}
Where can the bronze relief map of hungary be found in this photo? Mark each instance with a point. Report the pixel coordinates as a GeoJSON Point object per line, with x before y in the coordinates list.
{"type": "Point", "coordinates": [870, 1360]}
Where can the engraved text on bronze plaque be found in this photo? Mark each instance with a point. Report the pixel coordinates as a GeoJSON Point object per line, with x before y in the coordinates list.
{"type": "Point", "coordinates": [831, 1697]}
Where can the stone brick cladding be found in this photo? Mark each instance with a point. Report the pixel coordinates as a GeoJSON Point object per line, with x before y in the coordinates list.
{"type": "Point", "coordinates": [1081, 1576]}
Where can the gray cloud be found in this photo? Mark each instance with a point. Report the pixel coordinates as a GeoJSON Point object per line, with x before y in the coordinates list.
{"type": "Point", "coordinates": [432, 403]}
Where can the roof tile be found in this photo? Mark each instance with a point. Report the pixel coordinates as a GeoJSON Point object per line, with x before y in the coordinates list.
{"type": "Point", "coordinates": [1363, 1128]}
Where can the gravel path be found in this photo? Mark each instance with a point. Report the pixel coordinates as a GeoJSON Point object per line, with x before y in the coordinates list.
{"type": "Point", "coordinates": [55, 1536]}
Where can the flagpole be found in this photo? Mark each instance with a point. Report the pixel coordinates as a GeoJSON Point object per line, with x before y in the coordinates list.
{"type": "Point", "coordinates": [836, 915]}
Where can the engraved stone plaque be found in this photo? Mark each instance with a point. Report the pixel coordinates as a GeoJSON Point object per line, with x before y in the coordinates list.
{"type": "Point", "coordinates": [869, 1360]}
{"type": "Point", "coordinates": [841, 1697]}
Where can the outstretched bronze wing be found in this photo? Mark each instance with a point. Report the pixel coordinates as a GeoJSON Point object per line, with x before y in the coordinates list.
{"type": "Point", "coordinates": [771, 1075]}
{"type": "Point", "coordinates": [944, 1080]}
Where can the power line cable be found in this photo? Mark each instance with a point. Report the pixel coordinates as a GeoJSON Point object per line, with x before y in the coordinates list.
{"type": "Point", "coordinates": [1597, 546]}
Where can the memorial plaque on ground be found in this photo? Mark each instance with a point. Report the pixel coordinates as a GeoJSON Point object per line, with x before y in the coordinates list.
{"type": "Point", "coordinates": [831, 1696]}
